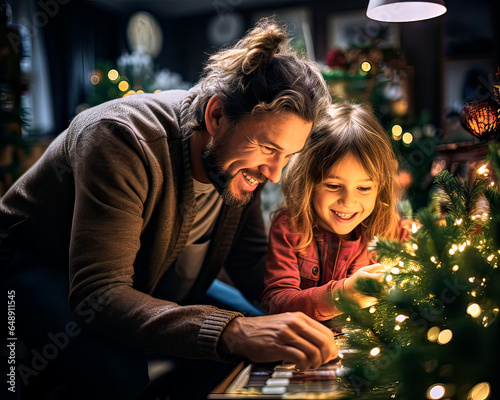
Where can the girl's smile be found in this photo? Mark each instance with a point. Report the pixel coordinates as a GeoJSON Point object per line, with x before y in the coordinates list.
{"type": "Point", "coordinates": [345, 198]}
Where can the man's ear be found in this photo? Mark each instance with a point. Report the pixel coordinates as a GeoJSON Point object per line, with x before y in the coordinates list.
{"type": "Point", "coordinates": [215, 120]}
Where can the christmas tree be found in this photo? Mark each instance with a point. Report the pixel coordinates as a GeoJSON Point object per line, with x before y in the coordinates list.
{"type": "Point", "coordinates": [435, 331]}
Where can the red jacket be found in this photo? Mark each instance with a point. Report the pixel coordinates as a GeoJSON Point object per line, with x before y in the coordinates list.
{"type": "Point", "coordinates": [306, 282]}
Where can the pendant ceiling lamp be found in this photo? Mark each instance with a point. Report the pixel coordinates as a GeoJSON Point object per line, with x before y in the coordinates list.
{"type": "Point", "coordinates": [404, 10]}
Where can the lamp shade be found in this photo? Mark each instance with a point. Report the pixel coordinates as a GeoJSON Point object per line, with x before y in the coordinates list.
{"type": "Point", "coordinates": [404, 10]}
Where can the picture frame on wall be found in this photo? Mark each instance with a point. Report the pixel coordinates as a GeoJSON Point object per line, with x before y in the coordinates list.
{"type": "Point", "coordinates": [355, 28]}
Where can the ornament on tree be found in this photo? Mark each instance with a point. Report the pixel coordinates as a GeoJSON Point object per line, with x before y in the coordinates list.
{"type": "Point", "coordinates": [480, 118]}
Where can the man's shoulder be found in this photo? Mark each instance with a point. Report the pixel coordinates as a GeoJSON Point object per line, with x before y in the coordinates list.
{"type": "Point", "coordinates": [149, 116]}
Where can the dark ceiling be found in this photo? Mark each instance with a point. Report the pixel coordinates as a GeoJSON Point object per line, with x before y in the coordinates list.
{"type": "Point", "coordinates": [183, 8]}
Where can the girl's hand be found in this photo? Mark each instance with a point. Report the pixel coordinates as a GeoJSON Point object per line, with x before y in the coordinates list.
{"type": "Point", "coordinates": [374, 271]}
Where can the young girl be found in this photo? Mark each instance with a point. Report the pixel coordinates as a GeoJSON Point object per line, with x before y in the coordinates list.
{"type": "Point", "coordinates": [340, 192]}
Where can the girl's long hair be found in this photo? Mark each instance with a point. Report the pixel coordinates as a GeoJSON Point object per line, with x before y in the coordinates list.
{"type": "Point", "coordinates": [347, 129]}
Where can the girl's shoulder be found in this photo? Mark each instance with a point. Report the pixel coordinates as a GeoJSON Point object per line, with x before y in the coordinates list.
{"type": "Point", "coordinates": [282, 219]}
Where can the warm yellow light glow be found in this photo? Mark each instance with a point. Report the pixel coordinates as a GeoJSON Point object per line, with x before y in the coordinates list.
{"type": "Point", "coordinates": [474, 310]}
{"type": "Point", "coordinates": [455, 268]}
{"type": "Point", "coordinates": [452, 251]}
{"type": "Point", "coordinates": [472, 279]}
{"type": "Point", "coordinates": [95, 79]}
{"type": "Point", "coordinates": [445, 336]}
{"type": "Point", "coordinates": [433, 259]}
{"type": "Point", "coordinates": [407, 138]}
{"type": "Point", "coordinates": [436, 391]}
{"type": "Point", "coordinates": [415, 246]}
{"type": "Point", "coordinates": [414, 227]}
{"type": "Point", "coordinates": [375, 351]}
{"type": "Point", "coordinates": [480, 392]}
{"type": "Point", "coordinates": [348, 319]}
{"type": "Point", "coordinates": [157, 91]}
{"type": "Point", "coordinates": [401, 318]}
{"type": "Point", "coordinates": [113, 75]}
{"type": "Point", "coordinates": [366, 66]}
{"type": "Point", "coordinates": [473, 294]}
{"type": "Point", "coordinates": [433, 333]}
{"type": "Point", "coordinates": [397, 131]}
{"type": "Point", "coordinates": [462, 247]}
{"type": "Point", "coordinates": [123, 86]}
{"type": "Point", "coordinates": [372, 310]}
{"type": "Point", "coordinates": [395, 271]}
{"type": "Point", "coordinates": [458, 221]}
{"type": "Point", "coordinates": [388, 278]}
{"type": "Point", "coordinates": [483, 169]}
{"type": "Point", "coordinates": [140, 91]}
{"type": "Point", "coordinates": [397, 328]}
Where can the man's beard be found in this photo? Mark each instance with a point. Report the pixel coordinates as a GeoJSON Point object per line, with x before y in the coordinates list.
{"type": "Point", "coordinates": [214, 157]}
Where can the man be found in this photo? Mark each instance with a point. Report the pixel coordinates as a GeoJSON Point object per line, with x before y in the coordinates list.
{"type": "Point", "coordinates": [145, 199]}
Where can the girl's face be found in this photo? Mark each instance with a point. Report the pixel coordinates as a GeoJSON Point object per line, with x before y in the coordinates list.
{"type": "Point", "coordinates": [345, 197]}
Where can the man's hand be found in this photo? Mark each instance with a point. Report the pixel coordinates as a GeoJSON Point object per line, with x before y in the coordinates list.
{"type": "Point", "coordinates": [374, 271]}
{"type": "Point", "coordinates": [290, 337]}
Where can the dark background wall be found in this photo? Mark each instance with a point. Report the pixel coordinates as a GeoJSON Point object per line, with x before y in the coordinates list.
{"type": "Point", "coordinates": [80, 31]}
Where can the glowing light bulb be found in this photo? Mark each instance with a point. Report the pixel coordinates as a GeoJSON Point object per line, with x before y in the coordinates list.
{"type": "Point", "coordinates": [388, 278]}
{"type": "Point", "coordinates": [95, 79]}
{"type": "Point", "coordinates": [414, 227]}
{"type": "Point", "coordinates": [401, 318]}
{"type": "Point", "coordinates": [458, 221]}
{"type": "Point", "coordinates": [397, 328]}
{"type": "Point", "coordinates": [445, 336]}
{"type": "Point", "coordinates": [372, 310]}
{"type": "Point", "coordinates": [433, 259]}
{"type": "Point", "coordinates": [123, 86]}
{"type": "Point", "coordinates": [397, 131]}
{"type": "Point", "coordinates": [472, 279]}
{"type": "Point", "coordinates": [366, 66]}
{"type": "Point", "coordinates": [483, 169]}
{"type": "Point", "coordinates": [433, 333]}
{"type": "Point", "coordinates": [436, 391]}
{"type": "Point", "coordinates": [415, 246]}
{"type": "Point", "coordinates": [395, 271]}
{"type": "Point", "coordinates": [474, 310]}
{"type": "Point", "coordinates": [480, 392]}
{"type": "Point", "coordinates": [375, 351]}
{"type": "Point", "coordinates": [451, 251]}
{"type": "Point", "coordinates": [407, 138]}
{"type": "Point", "coordinates": [113, 75]}
{"type": "Point", "coordinates": [455, 268]}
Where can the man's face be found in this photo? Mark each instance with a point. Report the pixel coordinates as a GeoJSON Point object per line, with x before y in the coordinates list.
{"type": "Point", "coordinates": [237, 160]}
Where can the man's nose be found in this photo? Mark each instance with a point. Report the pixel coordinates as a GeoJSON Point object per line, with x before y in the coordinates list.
{"type": "Point", "coordinates": [272, 171]}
